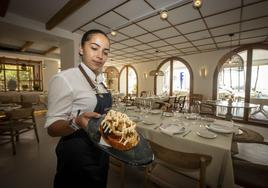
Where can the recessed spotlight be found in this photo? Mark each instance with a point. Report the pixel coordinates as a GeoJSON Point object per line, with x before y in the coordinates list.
{"type": "Point", "coordinates": [113, 33]}
{"type": "Point", "coordinates": [163, 15]}
{"type": "Point", "coordinates": [197, 4]}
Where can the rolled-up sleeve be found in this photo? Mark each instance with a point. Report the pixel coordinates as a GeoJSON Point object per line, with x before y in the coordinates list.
{"type": "Point", "coordinates": [60, 97]}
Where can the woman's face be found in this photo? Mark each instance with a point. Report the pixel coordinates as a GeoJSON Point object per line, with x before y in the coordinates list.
{"type": "Point", "coordinates": [95, 52]}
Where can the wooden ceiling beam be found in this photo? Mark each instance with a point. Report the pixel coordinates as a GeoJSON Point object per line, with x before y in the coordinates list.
{"type": "Point", "coordinates": [3, 7]}
{"type": "Point", "coordinates": [68, 9]}
{"type": "Point", "coordinates": [25, 46]}
{"type": "Point", "coordinates": [52, 49]}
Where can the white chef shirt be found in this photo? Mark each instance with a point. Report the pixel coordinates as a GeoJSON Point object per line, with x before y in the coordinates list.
{"type": "Point", "coordinates": [69, 91]}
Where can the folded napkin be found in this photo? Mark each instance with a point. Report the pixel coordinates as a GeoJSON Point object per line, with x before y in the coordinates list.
{"type": "Point", "coordinates": [172, 129]}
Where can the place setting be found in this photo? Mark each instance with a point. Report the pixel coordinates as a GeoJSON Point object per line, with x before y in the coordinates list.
{"type": "Point", "coordinates": [135, 118]}
{"type": "Point", "coordinates": [219, 128]}
{"type": "Point", "coordinates": [222, 127]}
{"type": "Point", "coordinates": [172, 129]}
{"type": "Point", "coordinates": [156, 111]}
{"type": "Point", "coordinates": [148, 122]}
{"type": "Point", "coordinates": [204, 133]}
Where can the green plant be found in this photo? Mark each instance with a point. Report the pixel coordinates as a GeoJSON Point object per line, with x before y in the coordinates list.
{"type": "Point", "coordinates": [24, 87]}
{"type": "Point", "coordinates": [36, 87]}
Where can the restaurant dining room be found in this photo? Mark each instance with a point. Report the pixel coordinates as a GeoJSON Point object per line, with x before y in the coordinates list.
{"type": "Point", "coordinates": [134, 93]}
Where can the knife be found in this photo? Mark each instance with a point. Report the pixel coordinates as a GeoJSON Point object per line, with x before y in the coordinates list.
{"type": "Point", "coordinates": [186, 133]}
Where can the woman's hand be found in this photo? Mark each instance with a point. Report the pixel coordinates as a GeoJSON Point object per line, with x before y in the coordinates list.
{"type": "Point", "coordinates": [82, 120]}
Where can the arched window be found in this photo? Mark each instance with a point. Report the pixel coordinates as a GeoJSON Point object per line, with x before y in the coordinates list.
{"type": "Point", "coordinates": [245, 82]}
{"type": "Point", "coordinates": [231, 78]}
{"type": "Point", "coordinates": [111, 76]}
{"type": "Point", "coordinates": [177, 77]}
{"type": "Point", "coordinates": [128, 81]}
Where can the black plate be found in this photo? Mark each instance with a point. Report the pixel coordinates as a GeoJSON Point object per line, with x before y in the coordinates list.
{"type": "Point", "coordinates": [138, 156]}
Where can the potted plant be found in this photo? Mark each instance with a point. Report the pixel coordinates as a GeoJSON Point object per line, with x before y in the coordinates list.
{"type": "Point", "coordinates": [36, 87]}
{"type": "Point", "coordinates": [24, 87]}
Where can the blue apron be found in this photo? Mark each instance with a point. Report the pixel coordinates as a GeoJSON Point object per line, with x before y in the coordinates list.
{"type": "Point", "coordinates": [79, 162]}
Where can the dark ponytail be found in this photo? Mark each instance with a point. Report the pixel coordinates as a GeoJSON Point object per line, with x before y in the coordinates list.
{"type": "Point", "coordinates": [87, 35]}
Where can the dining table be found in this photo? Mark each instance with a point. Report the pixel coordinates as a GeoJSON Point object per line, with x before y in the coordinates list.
{"type": "Point", "coordinates": [155, 101]}
{"type": "Point", "coordinates": [262, 101]}
{"type": "Point", "coordinates": [230, 105]}
{"type": "Point", "coordinates": [154, 126]}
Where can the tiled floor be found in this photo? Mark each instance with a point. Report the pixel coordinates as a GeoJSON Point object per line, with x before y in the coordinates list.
{"type": "Point", "coordinates": [34, 165]}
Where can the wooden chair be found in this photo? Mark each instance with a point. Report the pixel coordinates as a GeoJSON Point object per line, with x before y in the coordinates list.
{"type": "Point", "coordinates": [18, 121]}
{"type": "Point", "coordinates": [248, 136]}
{"type": "Point", "coordinates": [128, 100]}
{"type": "Point", "coordinates": [180, 103]}
{"type": "Point", "coordinates": [167, 105]}
{"type": "Point", "coordinates": [120, 167]}
{"type": "Point", "coordinates": [251, 165]}
{"type": "Point", "coordinates": [169, 163]}
{"type": "Point", "coordinates": [143, 94]}
{"type": "Point", "coordinates": [194, 102]}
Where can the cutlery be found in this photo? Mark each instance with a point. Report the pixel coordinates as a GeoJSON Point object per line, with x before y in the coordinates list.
{"type": "Point", "coordinates": [156, 127]}
{"type": "Point", "coordinates": [162, 115]}
{"type": "Point", "coordinates": [186, 133]}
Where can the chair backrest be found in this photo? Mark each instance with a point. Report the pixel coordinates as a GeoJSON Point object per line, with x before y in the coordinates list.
{"type": "Point", "coordinates": [196, 97]}
{"type": "Point", "coordinates": [208, 109]}
{"type": "Point", "coordinates": [180, 101]}
{"type": "Point", "coordinates": [33, 98]}
{"type": "Point", "coordinates": [251, 164]}
{"type": "Point", "coordinates": [182, 160]}
{"type": "Point", "coordinates": [143, 94]}
{"type": "Point", "coordinates": [248, 136]}
{"type": "Point", "coordinates": [171, 100]}
{"type": "Point", "coordinates": [21, 113]}
{"type": "Point", "coordinates": [194, 102]}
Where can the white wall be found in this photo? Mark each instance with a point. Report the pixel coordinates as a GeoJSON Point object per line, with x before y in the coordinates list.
{"type": "Point", "coordinates": [209, 60]}
{"type": "Point", "coordinates": [69, 42]}
{"type": "Point", "coordinates": [145, 68]}
{"type": "Point", "coordinates": [50, 70]}
{"type": "Point", "coordinates": [201, 85]}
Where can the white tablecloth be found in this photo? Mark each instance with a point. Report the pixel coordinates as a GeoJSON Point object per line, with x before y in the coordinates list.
{"type": "Point", "coordinates": [220, 171]}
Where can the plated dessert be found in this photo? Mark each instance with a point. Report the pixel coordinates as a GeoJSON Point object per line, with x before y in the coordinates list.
{"type": "Point", "coordinates": [119, 131]}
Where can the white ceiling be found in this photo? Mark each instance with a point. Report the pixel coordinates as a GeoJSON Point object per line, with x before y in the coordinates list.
{"type": "Point", "coordinates": [142, 35]}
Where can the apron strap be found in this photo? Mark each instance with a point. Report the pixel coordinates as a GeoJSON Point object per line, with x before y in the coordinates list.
{"type": "Point", "coordinates": [94, 87]}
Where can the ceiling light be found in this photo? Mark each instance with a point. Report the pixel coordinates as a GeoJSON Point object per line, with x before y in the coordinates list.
{"type": "Point", "coordinates": [113, 33]}
{"type": "Point", "coordinates": [197, 3]}
{"type": "Point", "coordinates": [163, 15]}
{"type": "Point", "coordinates": [235, 59]}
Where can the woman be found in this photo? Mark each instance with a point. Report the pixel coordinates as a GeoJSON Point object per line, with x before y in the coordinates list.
{"type": "Point", "coordinates": [80, 89]}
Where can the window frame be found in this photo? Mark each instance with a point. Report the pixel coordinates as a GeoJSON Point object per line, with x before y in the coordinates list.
{"type": "Point", "coordinates": [249, 49]}
{"type": "Point", "coordinates": [37, 76]}
{"type": "Point", "coordinates": [137, 87]}
{"type": "Point", "coordinates": [171, 61]}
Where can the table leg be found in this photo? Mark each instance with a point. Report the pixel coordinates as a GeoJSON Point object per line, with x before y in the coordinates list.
{"type": "Point", "coordinates": [229, 115]}
{"type": "Point", "coordinates": [260, 110]}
